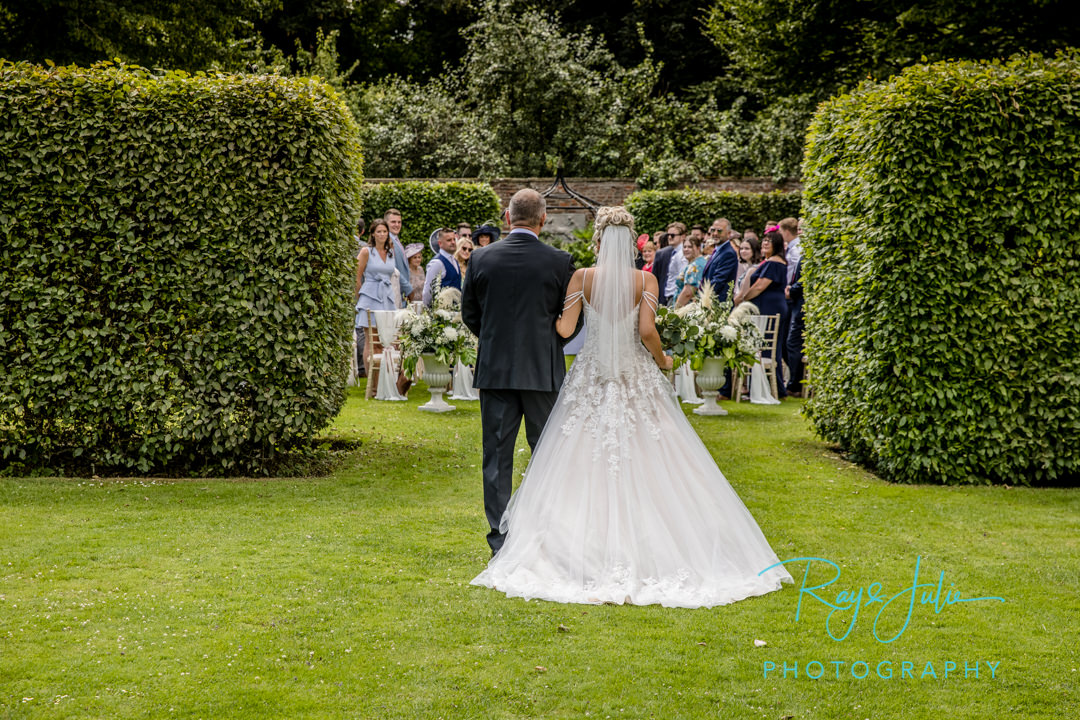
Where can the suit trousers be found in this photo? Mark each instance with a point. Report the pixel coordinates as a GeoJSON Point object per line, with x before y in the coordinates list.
{"type": "Point", "coordinates": [501, 412]}
{"type": "Point", "coordinates": [794, 348]}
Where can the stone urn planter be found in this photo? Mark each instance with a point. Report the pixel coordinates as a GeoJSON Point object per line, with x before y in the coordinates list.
{"type": "Point", "coordinates": [710, 379]}
{"type": "Point", "coordinates": [437, 376]}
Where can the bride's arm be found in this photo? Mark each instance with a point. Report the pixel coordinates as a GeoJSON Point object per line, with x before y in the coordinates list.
{"type": "Point", "coordinates": [647, 323]}
{"type": "Point", "coordinates": [567, 322]}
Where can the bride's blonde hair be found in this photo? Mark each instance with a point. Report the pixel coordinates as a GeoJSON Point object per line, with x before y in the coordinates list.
{"type": "Point", "coordinates": [612, 215]}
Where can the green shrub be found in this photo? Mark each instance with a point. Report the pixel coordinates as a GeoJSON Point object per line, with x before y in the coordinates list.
{"type": "Point", "coordinates": [943, 279]}
{"type": "Point", "coordinates": [427, 206]}
{"type": "Point", "coordinates": [653, 210]}
{"type": "Point", "coordinates": [176, 259]}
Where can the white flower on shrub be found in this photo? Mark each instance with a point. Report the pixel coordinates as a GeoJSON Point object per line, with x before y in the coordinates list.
{"type": "Point", "coordinates": [444, 315]}
{"type": "Point", "coordinates": [449, 334]}
{"type": "Point", "coordinates": [729, 333]}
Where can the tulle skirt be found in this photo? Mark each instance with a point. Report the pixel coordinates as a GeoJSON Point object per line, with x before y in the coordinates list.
{"type": "Point", "coordinates": [622, 503]}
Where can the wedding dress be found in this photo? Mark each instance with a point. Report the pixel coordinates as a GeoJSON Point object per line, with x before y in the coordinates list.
{"type": "Point", "coordinates": [622, 502]}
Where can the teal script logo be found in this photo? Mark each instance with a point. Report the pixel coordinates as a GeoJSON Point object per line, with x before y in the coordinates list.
{"type": "Point", "coordinates": [901, 604]}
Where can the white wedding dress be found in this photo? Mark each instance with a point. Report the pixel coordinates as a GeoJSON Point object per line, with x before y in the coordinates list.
{"type": "Point", "coordinates": [622, 502]}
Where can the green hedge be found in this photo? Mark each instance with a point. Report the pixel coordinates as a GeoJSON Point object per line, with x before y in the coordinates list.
{"type": "Point", "coordinates": [653, 210]}
{"type": "Point", "coordinates": [176, 260]}
{"type": "Point", "coordinates": [426, 206]}
{"type": "Point", "coordinates": [942, 272]}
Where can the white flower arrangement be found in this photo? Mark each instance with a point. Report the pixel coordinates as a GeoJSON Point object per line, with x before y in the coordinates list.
{"type": "Point", "coordinates": [438, 331]}
{"type": "Point", "coordinates": [708, 328]}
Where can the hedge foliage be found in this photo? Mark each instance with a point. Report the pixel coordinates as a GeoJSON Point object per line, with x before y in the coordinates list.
{"type": "Point", "coordinates": [653, 210]}
{"type": "Point", "coordinates": [942, 272]}
{"type": "Point", "coordinates": [176, 260]}
{"type": "Point", "coordinates": [427, 206]}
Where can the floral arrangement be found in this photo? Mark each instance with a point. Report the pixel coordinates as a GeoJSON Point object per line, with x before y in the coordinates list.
{"type": "Point", "coordinates": [437, 330]}
{"type": "Point", "coordinates": [708, 328]}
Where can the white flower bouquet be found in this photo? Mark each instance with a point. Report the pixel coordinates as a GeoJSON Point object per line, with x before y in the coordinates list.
{"type": "Point", "coordinates": [438, 331]}
{"type": "Point", "coordinates": [708, 328]}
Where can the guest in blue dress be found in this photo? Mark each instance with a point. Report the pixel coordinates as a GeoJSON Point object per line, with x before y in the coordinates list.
{"type": "Point", "coordinates": [766, 290]}
{"type": "Point", "coordinates": [377, 282]}
{"type": "Point", "coordinates": [689, 280]}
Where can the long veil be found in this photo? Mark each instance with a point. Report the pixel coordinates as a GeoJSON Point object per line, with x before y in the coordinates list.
{"type": "Point", "coordinates": [613, 322]}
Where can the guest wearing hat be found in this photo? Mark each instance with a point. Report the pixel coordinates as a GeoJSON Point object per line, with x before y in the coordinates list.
{"type": "Point", "coordinates": [444, 269]}
{"type": "Point", "coordinates": [485, 235]}
{"type": "Point", "coordinates": [639, 261]}
{"type": "Point", "coordinates": [414, 254]}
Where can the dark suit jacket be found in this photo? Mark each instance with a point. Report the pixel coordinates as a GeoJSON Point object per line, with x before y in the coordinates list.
{"type": "Point", "coordinates": [721, 270]}
{"type": "Point", "coordinates": [660, 267]}
{"type": "Point", "coordinates": [514, 292]}
{"type": "Point", "coordinates": [795, 290]}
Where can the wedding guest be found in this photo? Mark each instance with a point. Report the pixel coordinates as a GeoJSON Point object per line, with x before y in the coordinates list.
{"type": "Point", "coordinates": [464, 231]}
{"type": "Point", "coordinates": [377, 288]}
{"type": "Point", "coordinates": [660, 239]}
{"type": "Point", "coordinates": [669, 262]}
{"type": "Point", "coordinates": [462, 255]}
{"type": "Point", "coordinates": [766, 291]}
{"type": "Point", "coordinates": [789, 228]}
{"type": "Point", "coordinates": [393, 222]}
{"type": "Point", "coordinates": [720, 229]}
{"type": "Point", "coordinates": [749, 259]}
{"type": "Point", "coordinates": [443, 268]}
{"type": "Point", "coordinates": [794, 342]}
{"type": "Point", "coordinates": [697, 231]}
{"type": "Point", "coordinates": [485, 235]}
{"type": "Point", "coordinates": [414, 253]}
{"type": "Point", "coordinates": [689, 280]}
{"type": "Point", "coordinates": [648, 253]}
{"type": "Point", "coordinates": [361, 228]}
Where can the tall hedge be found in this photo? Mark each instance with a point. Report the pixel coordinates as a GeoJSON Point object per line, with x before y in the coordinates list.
{"type": "Point", "coordinates": [943, 274]}
{"type": "Point", "coordinates": [653, 210]}
{"type": "Point", "coordinates": [427, 206]}
{"type": "Point", "coordinates": [176, 257]}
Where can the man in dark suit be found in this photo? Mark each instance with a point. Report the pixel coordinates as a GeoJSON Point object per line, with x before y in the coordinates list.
{"type": "Point", "coordinates": [794, 344]}
{"type": "Point", "coordinates": [722, 268]}
{"type": "Point", "coordinates": [514, 292]}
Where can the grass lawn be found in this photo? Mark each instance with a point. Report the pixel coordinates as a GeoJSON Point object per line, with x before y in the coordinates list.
{"type": "Point", "coordinates": [348, 596]}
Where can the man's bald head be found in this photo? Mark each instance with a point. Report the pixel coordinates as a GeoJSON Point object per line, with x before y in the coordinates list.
{"type": "Point", "coordinates": [527, 208]}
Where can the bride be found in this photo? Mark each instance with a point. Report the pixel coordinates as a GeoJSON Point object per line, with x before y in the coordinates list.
{"type": "Point", "coordinates": [621, 502]}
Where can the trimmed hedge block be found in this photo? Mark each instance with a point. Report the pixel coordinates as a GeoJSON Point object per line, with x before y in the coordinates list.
{"type": "Point", "coordinates": [654, 210]}
{"type": "Point", "coordinates": [176, 264]}
{"type": "Point", "coordinates": [943, 279]}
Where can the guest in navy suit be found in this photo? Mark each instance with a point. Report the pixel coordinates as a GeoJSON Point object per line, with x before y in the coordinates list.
{"type": "Point", "coordinates": [443, 267]}
{"type": "Point", "coordinates": [721, 269]}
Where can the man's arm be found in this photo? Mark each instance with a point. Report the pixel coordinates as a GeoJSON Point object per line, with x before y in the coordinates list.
{"type": "Point", "coordinates": [470, 301]}
{"type": "Point", "coordinates": [435, 270]}
{"type": "Point", "coordinates": [402, 265]}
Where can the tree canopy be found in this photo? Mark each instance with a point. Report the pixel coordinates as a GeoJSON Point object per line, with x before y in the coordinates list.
{"type": "Point", "coordinates": [664, 90]}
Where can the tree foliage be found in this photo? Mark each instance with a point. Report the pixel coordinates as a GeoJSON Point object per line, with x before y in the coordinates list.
{"type": "Point", "coordinates": [180, 36]}
{"type": "Point", "coordinates": [781, 47]}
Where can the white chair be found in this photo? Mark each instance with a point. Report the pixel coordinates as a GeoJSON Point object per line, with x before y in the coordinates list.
{"type": "Point", "coordinates": [770, 330]}
{"type": "Point", "coordinates": [381, 358]}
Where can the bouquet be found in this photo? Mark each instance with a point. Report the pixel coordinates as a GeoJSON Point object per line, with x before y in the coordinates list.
{"type": "Point", "coordinates": [708, 328]}
{"type": "Point", "coordinates": [437, 330]}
